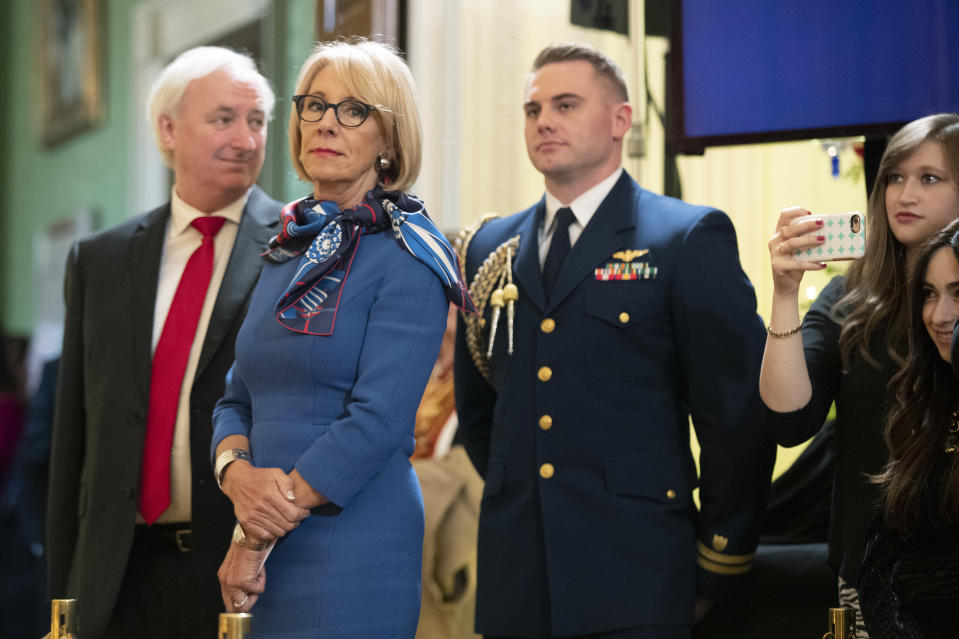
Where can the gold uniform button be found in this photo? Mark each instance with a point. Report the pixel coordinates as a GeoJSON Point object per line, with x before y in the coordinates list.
{"type": "Point", "coordinates": [547, 325]}
{"type": "Point", "coordinates": [671, 493]}
{"type": "Point", "coordinates": [623, 318]}
{"type": "Point", "coordinates": [546, 471]}
{"type": "Point", "coordinates": [545, 373]}
{"type": "Point", "coordinates": [545, 422]}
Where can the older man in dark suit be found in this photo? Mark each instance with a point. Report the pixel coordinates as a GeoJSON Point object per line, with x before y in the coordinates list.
{"type": "Point", "coordinates": [611, 315]}
{"type": "Point", "coordinates": [136, 523]}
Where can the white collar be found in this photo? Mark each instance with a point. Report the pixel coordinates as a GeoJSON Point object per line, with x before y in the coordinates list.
{"type": "Point", "coordinates": [585, 205]}
{"type": "Point", "coordinates": [182, 214]}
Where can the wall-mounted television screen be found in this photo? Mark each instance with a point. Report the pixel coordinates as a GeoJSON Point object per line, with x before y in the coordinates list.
{"type": "Point", "coordinates": [761, 70]}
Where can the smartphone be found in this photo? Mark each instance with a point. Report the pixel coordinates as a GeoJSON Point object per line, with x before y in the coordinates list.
{"type": "Point", "coordinates": [845, 238]}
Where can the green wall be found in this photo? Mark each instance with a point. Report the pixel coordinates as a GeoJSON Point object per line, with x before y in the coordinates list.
{"type": "Point", "coordinates": [5, 54]}
{"type": "Point", "coordinates": [295, 40]}
{"type": "Point", "coordinates": [90, 171]}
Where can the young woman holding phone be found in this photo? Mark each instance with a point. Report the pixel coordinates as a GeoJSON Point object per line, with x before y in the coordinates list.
{"type": "Point", "coordinates": [853, 339]}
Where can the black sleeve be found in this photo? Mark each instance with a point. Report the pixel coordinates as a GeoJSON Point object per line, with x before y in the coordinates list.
{"type": "Point", "coordinates": [820, 334]}
{"type": "Point", "coordinates": [67, 437]}
{"type": "Point", "coordinates": [475, 398]}
{"type": "Point", "coordinates": [720, 347]}
{"type": "Point", "coordinates": [954, 351]}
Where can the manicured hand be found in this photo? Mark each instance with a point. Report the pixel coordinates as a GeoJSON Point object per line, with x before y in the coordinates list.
{"type": "Point", "coordinates": [795, 231]}
{"type": "Point", "coordinates": [263, 500]}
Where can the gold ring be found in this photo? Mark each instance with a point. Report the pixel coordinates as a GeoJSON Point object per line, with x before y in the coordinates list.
{"type": "Point", "coordinates": [782, 231]}
{"type": "Point", "coordinates": [239, 604]}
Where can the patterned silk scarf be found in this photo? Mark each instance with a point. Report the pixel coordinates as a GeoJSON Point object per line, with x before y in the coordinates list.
{"type": "Point", "coordinates": [326, 240]}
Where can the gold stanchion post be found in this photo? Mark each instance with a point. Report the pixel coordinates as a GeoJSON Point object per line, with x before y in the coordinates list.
{"type": "Point", "coordinates": [842, 624]}
{"type": "Point", "coordinates": [235, 625]}
{"type": "Point", "coordinates": [63, 619]}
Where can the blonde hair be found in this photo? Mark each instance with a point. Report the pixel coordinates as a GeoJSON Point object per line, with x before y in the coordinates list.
{"type": "Point", "coordinates": [876, 285]}
{"type": "Point", "coordinates": [374, 73]}
{"type": "Point", "coordinates": [168, 88]}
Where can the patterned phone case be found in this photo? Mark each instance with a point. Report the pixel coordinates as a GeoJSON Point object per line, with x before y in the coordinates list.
{"type": "Point", "coordinates": [845, 238]}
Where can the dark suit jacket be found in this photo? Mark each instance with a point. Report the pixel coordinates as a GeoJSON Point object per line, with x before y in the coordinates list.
{"type": "Point", "coordinates": [100, 417]}
{"type": "Point", "coordinates": [612, 538]}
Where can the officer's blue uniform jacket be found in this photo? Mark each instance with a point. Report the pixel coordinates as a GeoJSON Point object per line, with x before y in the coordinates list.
{"type": "Point", "coordinates": [588, 521]}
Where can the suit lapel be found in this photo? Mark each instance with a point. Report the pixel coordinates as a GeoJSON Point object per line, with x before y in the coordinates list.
{"type": "Point", "coordinates": [599, 239]}
{"type": "Point", "coordinates": [145, 253]}
{"type": "Point", "coordinates": [257, 225]}
{"type": "Point", "coordinates": [529, 275]}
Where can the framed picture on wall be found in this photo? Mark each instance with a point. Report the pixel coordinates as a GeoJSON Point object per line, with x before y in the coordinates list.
{"type": "Point", "coordinates": [375, 19]}
{"type": "Point", "coordinates": [70, 45]}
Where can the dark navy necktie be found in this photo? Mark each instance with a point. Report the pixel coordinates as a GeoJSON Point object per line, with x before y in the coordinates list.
{"type": "Point", "coordinates": [558, 248]}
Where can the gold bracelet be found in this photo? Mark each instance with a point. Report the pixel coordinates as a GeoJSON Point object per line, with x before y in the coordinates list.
{"type": "Point", "coordinates": [241, 540]}
{"type": "Point", "coordinates": [792, 331]}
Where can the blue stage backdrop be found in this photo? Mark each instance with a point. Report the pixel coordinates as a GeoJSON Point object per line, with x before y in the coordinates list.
{"type": "Point", "coordinates": [755, 70]}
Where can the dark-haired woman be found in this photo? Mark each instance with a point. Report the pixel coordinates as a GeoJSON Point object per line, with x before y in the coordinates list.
{"type": "Point", "coordinates": [909, 583]}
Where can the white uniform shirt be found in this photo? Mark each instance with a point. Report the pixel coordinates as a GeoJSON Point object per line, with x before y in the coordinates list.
{"type": "Point", "coordinates": [583, 208]}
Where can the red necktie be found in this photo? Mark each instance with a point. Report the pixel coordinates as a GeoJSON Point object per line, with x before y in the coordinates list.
{"type": "Point", "coordinates": [169, 364]}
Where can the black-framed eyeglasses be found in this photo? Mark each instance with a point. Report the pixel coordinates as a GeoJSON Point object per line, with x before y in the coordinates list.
{"type": "Point", "coordinates": [349, 113]}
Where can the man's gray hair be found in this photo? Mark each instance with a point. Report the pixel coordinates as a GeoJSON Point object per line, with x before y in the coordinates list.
{"type": "Point", "coordinates": [199, 62]}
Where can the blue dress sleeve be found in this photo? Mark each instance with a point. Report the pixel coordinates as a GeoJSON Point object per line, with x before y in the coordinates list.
{"type": "Point", "coordinates": [232, 414]}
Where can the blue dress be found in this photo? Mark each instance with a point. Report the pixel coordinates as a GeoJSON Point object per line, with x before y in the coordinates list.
{"type": "Point", "coordinates": [340, 409]}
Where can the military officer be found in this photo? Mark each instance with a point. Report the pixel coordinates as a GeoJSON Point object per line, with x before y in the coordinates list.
{"type": "Point", "coordinates": [609, 316]}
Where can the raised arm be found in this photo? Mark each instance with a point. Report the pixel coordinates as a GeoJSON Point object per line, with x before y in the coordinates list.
{"type": "Point", "coordinates": [784, 380]}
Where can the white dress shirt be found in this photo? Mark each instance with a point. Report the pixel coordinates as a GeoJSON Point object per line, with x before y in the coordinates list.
{"type": "Point", "coordinates": [583, 208]}
{"type": "Point", "coordinates": [180, 242]}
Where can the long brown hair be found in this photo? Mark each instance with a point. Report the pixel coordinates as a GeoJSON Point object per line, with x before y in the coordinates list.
{"type": "Point", "coordinates": [876, 284]}
{"type": "Point", "coordinates": [926, 394]}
